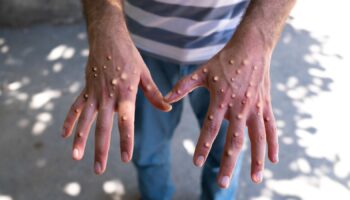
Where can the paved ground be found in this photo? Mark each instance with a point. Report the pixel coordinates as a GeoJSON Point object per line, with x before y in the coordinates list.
{"type": "Point", "coordinates": [41, 71]}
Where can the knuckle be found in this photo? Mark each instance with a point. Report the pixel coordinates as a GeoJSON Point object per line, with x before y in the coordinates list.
{"type": "Point", "coordinates": [260, 139]}
{"type": "Point", "coordinates": [66, 127]}
{"type": "Point", "coordinates": [124, 129]}
{"type": "Point", "coordinates": [182, 82]}
{"type": "Point", "coordinates": [77, 103]}
{"type": "Point", "coordinates": [271, 127]}
{"type": "Point", "coordinates": [258, 167]}
{"type": "Point", "coordinates": [124, 142]}
{"type": "Point", "coordinates": [226, 168]}
{"type": "Point", "coordinates": [154, 94]}
{"type": "Point", "coordinates": [101, 151]}
{"type": "Point", "coordinates": [83, 118]}
{"type": "Point", "coordinates": [101, 129]}
{"type": "Point", "coordinates": [69, 121]}
{"type": "Point", "coordinates": [181, 85]}
{"type": "Point", "coordinates": [72, 107]}
{"type": "Point", "coordinates": [273, 142]}
{"type": "Point", "coordinates": [104, 104]}
{"type": "Point", "coordinates": [78, 142]}
{"type": "Point", "coordinates": [237, 143]}
{"type": "Point", "coordinates": [274, 129]}
{"type": "Point", "coordinates": [212, 128]}
{"type": "Point", "coordinates": [73, 111]}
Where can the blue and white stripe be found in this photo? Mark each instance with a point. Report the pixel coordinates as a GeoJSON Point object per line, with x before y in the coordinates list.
{"type": "Point", "coordinates": [185, 31]}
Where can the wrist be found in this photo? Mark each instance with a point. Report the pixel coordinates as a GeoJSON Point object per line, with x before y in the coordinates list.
{"type": "Point", "coordinates": [263, 22]}
{"type": "Point", "coordinates": [251, 40]}
{"type": "Point", "coordinates": [107, 30]}
{"type": "Point", "coordinates": [104, 16]}
{"type": "Point", "coordinates": [248, 44]}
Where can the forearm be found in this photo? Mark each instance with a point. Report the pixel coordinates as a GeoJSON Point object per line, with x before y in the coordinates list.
{"type": "Point", "coordinates": [264, 20]}
{"type": "Point", "coordinates": [104, 18]}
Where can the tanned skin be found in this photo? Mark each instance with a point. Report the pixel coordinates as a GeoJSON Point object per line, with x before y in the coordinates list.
{"type": "Point", "coordinates": [114, 72]}
{"type": "Point", "coordinates": [237, 78]}
{"type": "Point", "coordinates": [241, 93]}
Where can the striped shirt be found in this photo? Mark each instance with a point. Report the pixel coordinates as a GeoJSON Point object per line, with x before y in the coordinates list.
{"type": "Point", "coordinates": [184, 31]}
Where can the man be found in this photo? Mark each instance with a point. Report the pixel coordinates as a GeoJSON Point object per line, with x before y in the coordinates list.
{"type": "Point", "coordinates": [222, 46]}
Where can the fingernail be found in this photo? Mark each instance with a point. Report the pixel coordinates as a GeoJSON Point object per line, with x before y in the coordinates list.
{"type": "Point", "coordinates": [225, 181]}
{"type": "Point", "coordinates": [167, 96]}
{"type": "Point", "coordinates": [258, 177]}
{"type": "Point", "coordinates": [80, 134]}
{"type": "Point", "coordinates": [125, 157]}
{"type": "Point", "coordinates": [275, 159]}
{"type": "Point", "coordinates": [98, 168]}
{"type": "Point", "coordinates": [170, 107]}
{"type": "Point", "coordinates": [200, 161]}
{"type": "Point", "coordinates": [75, 153]}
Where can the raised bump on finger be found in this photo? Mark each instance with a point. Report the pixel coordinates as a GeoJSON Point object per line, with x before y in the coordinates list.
{"type": "Point", "coordinates": [233, 147]}
{"type": "Point", "coordinates": [209, 131]}
{"type": "Point", "coordinates": [72, 115]}
{"type": "Point", "coordinates": [271, 134]}
{"type": "Point", "coordinates": [82, 131]}
{"type": "Point", "coordinates": [103, 130]}
{"type": "Point", "coordinates": [186, 85]}
{"type": "Point", "coordinates": [257, 137]}
{"type": "Point", "coordinates": [152, 92]}
{"type": "Point", "coordinates": [126, 118]}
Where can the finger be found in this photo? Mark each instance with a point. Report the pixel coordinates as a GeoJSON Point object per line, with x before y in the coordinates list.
{"type": "Point", "coordinates": [186, 85]}
{"type": "Point", "coordinates": [209, 131]}
{"type": "Point", "coordinates": [271, 134]}
{"type": "Point", "coordinates": [72, 116]}
{"type": "Point", "coordinates": [233, 147]}
{"type": "Point", "coordinates": [257, 138]}
{"type": "Point", "coordinates": [83, 128]}
{"type": "Point", "coordinates": [152, 92]}
{"type": "Point", "coordinates": [126, 111]}
{"type": "Point", "coordinates": [103, 130]}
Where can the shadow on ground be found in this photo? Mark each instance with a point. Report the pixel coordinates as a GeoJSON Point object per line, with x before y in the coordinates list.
{"type": "Point", "coordinates": [295, 78]}
{"type": "Point", "coordinates": [41, 72]}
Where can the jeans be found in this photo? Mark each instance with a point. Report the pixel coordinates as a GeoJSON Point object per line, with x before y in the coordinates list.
{"type": "Point", "coordinates": [153, 133]}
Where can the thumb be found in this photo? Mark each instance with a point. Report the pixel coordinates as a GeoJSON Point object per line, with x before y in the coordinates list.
{"type": "Point", "coordinates": [186, 85]}
{"type": "Point", "coordinates": [152, 92]}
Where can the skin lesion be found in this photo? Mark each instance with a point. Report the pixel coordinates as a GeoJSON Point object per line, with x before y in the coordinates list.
{"type": "Point", "coordinates": [124, 118]}
{"type": "Point", "coordinates": [236, 85]}
{"type": "Point", "coordinates": [235, 90]}
{"type": "Point", "coordinates": [215, 78]}
{"type": "Point", "coordinates": [123, 76]}
{"type": "Point", "coordinates": [194, 77]}
{"type": "Point", "coordinates": [237, 141]}
{"type": "Point", "coordinates": [114, 81]}
{"type": "Point", "coordinates": [239, 116]}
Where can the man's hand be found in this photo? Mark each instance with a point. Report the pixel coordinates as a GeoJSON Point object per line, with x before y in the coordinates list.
{"type": "Point", "coordinates": [239, 92]}
{"type": "Point", "coordinates": [114, 71]}
{"type": "Point", "coordinates": [239, 84]}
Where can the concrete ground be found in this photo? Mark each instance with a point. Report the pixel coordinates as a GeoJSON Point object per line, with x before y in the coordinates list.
{"type": "Point", "coordinates": [41, 71]}
{"type": "Point", "coordinates": [26, 12]}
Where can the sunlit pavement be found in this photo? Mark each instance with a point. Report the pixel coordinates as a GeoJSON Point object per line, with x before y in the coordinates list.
{"type": "Point", "coordinates": [41, 71]}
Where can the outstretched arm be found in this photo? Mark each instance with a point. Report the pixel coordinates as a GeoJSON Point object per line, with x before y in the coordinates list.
{"type": "Point", "coordinates": [114, 72]}
{"type": "Point", "coordinates": [239, 85]}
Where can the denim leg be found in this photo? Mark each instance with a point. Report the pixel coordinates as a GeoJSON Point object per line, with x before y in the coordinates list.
{"type": "Point", "coordinates": [199, 99]}
{"type": "Point", "coordinates": [153, 132]}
